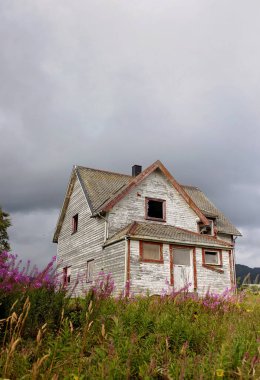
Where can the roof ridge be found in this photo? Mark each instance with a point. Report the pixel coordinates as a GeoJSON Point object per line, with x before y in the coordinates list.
{"type": "Point", "coordinates": [103, 171]}
{"type": "Point", "coordinates": [191, 187]}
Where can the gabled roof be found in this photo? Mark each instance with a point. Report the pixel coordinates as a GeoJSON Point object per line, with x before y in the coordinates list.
{"type": "Point", "coordinates": [210, 211]}
{"type": "Point", "coordinates": [123, 185]}
{"type": "Point", "coordinates": [101, 186]}
{"type": "Point", "coordinates": [167, 234]}
{"type": "Point", "coordinates": [103, 189]}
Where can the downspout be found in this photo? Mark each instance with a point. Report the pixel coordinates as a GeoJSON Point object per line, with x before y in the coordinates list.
{"type": "Point", "coordinates": [127, 285]}
{"type": "Point", "coordinates": [105, 236]}
{"type": "Point", "coordinates": [126, 252]}
{"type": "Point", "coordinates": [234, 262]}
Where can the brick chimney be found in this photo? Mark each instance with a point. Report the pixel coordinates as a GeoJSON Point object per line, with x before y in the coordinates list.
{"type": "Point", "coordinates": [136, 169]}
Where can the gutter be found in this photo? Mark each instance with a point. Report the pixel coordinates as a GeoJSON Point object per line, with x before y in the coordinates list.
{"type": "Point", "coordinates": [185, 243]}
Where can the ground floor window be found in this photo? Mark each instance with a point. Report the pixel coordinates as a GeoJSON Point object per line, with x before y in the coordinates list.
{"type": "Point", "coordinates": [90, 271]}
{"type": "Point", "coordinates": [66, 275]}
{"type": "Point", "coordinates": [151, 252]}
{"type": "Point", "coordinates": [212, 257]}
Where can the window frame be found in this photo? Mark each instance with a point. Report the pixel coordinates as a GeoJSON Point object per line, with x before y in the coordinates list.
{"type": "Point", "coordinates": [141, 252]}
{"type": "Point", "coordinates": [163, 201]}
{"type": "Point", "coordinates": [219, 253]}
{"type": "Point", "coordinates": [75, 223]}
{"type": "Point", "coordinates": [87, 271]}
{"type": "Point", "coordinates": [66, 275]}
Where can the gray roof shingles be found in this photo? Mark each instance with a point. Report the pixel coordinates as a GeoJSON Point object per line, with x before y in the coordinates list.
{"type": "Point", "coordinates": [166, 233]}
{"type": "Point", "coordinates": [102, 186]}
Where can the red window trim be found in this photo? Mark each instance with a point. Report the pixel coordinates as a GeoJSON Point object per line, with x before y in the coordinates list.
{"type": "Point", "coordinates": [141, 250]}
{"type": "Point", "coordinates": [65, 276]}
{"type": "Point", "coordinates": [75, 223]}
{"type": "Point", "coordinates": [214, 267]}
{"type": "Point", "coordinates": [163, 201]}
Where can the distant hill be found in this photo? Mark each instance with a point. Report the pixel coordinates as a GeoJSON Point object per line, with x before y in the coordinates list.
{"type": "Point", "coordinates": [243, 270]}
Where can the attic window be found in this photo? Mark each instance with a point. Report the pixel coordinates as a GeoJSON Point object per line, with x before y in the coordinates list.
{"type": "Point", "coordinates": [155, 209]}
{"type": "Point", "coordinates": [75, 222]}
{"type": "Point", "coordinates": [208, 230]}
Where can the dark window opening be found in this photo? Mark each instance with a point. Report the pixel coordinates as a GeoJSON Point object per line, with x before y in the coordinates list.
{"type": "Point", "coordinates": [66, 275]}
{"type": "Point", "coordinates": [75, 222]}
{"type": "Point", "coordinates": [155, 209]}
{"type": "Point", "coordinates": [208, 230]}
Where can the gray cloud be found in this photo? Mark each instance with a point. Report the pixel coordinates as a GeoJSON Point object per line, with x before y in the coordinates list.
{"type": "Point", "coordinates": [109, 84]}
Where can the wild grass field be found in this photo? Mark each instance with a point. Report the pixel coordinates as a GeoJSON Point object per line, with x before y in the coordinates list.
{"type": "Point", "coordinates": [46, 335]}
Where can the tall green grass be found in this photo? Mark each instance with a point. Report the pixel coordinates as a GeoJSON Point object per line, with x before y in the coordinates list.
{"type": "Point", "coordinates": [141, 338]}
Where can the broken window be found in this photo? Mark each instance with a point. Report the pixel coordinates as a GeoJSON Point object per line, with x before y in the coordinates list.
{"type": "Point", "coordinates": [208, 230]}
{"type": "Point", "coordinates": [155, 209]}
{"type": "Point", "coordinates": [66, 275]}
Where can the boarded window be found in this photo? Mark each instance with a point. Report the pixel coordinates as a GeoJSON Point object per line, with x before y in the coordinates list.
{"type": "Point", "coordinates": [151, 251]}
{"type": "Point", "coordinates": [181, 256]}
{"type": "Point", "coordinates": [212, 257]}
{"type": "Point", "coordinates": [75, 222]}
{"type": "Point", "coordinates": [90, 270]}
{"type": "Point", "coordinates": [155, 209]}
{"type": "Point", "coordinates": [66, 275]}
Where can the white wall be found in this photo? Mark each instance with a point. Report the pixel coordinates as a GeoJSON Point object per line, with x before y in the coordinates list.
{"type": "Point", "coordinates": [132, 206]}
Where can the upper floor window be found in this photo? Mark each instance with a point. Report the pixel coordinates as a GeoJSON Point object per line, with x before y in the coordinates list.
{"type": "Point", "coordinates": [155, 209]}
{"type": "Point", "coordinates": [75, 222]}
{"type": "Point", "coordinates": [208, 230]}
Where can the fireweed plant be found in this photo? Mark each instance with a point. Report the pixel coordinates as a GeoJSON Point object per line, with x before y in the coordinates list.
{"type": "Point", "coordinates": [18, 282]}
{"type": "Point", "coordinates": [175, 335]}
{"type": "Point", "coordinates": [14, 276]}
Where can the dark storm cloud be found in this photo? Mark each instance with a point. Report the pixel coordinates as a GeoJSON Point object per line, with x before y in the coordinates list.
{"type": "Point", "coordinates": [109, 84]}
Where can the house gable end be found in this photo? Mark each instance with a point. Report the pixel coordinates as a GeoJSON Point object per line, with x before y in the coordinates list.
{"type": "Point", "coordinates": [136, 203]}
{"type": "Point", "coordinates": [138, 179]}
{"type": "Point", "coordinates": [73, 178]}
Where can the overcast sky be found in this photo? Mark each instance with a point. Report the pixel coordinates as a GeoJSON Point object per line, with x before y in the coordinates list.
{"type": "Point", "coordinates": [111, 83]}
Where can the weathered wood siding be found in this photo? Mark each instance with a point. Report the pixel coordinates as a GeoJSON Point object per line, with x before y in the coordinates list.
{"type": "Point", "coordinates": [148, 277]}
{"type": "Point", "coordinates": [153, 277]}
{"type": "Point", "coordinates": [114, 262]}
{"type": "Point", "coordinates": [86, 244]}
{"type": "Point", "coordinates": [209, 280]}
{"type": "Point", "coordinates": [132, 206]}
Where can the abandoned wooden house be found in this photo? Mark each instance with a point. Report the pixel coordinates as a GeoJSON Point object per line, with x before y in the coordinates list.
{"type": "Point", "coordinates": [146, 230]}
